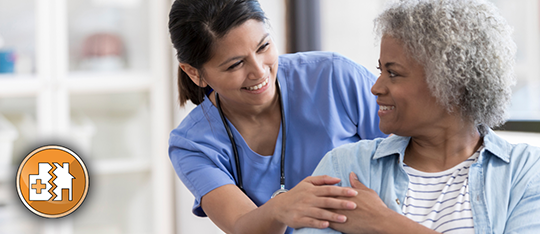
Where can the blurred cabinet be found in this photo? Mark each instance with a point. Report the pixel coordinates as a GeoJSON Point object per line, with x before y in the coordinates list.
{"type": "Point", "coordinates": [93, 75]}
{"type": "Point", "coordinates": [17, 37]}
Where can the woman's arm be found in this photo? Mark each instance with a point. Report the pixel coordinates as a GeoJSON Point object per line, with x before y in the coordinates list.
{"type": "Point", "coordinates": [306, 205]}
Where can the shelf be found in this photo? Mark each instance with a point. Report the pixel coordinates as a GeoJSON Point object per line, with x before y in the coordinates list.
{"type": "Point", "coordinates": [107, 82]}
{"type": "Point", "coordinates": [19, 85]}
{"type": "Point", "coordinates": [95, 167]}
{"type": "Point", "coordinates": [119, 166]}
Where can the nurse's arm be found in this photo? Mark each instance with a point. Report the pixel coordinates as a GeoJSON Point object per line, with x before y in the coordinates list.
{"type": "Point", "coordinates": [303, 206]}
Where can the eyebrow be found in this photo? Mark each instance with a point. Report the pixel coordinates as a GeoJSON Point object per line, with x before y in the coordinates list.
{"type": "Point", "coordinates": [389, 64]}
{"type": "Point", "coordinates": [238, 57]}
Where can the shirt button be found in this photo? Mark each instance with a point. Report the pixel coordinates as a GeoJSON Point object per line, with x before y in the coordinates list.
{"type": "Point", "coordinates": [397, 201]}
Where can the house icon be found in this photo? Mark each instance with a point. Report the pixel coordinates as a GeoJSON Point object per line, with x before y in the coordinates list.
{"type": "Point", "coordinates": [63, 181]}
{"type": "Point", "coordinates": [41, 184]}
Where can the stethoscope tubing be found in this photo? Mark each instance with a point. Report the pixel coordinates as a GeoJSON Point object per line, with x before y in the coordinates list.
{"type": "Point", "coordinates": [239, 182]}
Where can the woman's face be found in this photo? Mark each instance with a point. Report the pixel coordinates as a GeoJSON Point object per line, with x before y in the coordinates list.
{"type": "Point", "coordinates": [406, 106]}
{"type": "Point", "coordinates": [244, 66]}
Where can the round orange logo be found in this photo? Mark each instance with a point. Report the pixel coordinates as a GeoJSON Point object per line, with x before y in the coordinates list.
{"type": "Point", "coordinates": [52, 181]}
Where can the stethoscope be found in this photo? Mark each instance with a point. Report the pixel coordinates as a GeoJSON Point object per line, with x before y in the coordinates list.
{"type": "Point", "coordinates": [239, 182]}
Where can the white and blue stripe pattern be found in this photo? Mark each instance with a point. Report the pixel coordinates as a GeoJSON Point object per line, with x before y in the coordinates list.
{"type": "Point", "coordinates": [440, 201]}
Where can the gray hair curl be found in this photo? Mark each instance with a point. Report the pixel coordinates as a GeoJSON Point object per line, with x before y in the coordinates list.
{"type": "Point", "coordinates": [466, 49]}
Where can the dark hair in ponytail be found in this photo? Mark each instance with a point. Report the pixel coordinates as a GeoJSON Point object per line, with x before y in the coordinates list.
{"type": "Point", "coordinates": [195, 25]}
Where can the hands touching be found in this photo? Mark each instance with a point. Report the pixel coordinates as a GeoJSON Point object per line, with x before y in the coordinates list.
{"type": "Point", "coordinates": [370, 213]}
{"type": "Point", "coordinates": [313, 204]}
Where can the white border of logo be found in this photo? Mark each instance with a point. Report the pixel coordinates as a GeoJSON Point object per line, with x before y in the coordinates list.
{"type": "Point", "coordinates": [67, 151]}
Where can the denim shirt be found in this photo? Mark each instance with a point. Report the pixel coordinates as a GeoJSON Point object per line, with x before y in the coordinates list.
{"type": "Point", "coordinates": [504, 183]}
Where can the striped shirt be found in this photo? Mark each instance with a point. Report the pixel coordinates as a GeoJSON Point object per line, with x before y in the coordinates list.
{"type": "Point", "coordinates": [440, 200]}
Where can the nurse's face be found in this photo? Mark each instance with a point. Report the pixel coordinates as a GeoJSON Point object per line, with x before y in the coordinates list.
{"type": "Point", "coordinates": [244, 66]}
{"type": "Point", "coordinates": [406, 106]}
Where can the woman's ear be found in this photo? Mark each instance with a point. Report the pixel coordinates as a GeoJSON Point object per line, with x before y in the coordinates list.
{"type": "Point", "coordinates": [193, 74]}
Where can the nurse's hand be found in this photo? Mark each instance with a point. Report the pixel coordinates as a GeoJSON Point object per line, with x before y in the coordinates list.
{"type": "Point", "coordinates": [308, 203]}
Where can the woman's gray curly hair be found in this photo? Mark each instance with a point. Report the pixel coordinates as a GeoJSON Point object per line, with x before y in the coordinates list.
{"type": "Point", "coordinates": [466, 49]}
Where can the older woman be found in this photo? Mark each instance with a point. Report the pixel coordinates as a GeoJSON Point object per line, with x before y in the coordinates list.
{"type": "Point", "coordinates": [446, 71]}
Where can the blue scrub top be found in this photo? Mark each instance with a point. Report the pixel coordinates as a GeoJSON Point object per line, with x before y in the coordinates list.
{"type": "Point", "coordinates": [327, 103]}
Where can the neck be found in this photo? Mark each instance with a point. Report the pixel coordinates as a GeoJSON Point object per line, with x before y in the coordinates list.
{"type": "Point", "coordinates": [237, 113]}
{"type": "Point", "coordinates": [252, 120]}
{"type": "Point", "coordinates": [442, 149]}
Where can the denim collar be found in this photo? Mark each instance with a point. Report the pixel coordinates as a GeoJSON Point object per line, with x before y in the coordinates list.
{"type": "Point", "coordinates": [396, 145]}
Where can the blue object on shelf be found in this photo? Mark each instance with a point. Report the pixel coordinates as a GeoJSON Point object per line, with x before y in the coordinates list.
{"type": "Point", "coordinates": [7, 61]}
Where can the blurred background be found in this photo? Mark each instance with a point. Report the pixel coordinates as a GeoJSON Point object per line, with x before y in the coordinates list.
{"type": "Point", "coordinates": [98, 76]}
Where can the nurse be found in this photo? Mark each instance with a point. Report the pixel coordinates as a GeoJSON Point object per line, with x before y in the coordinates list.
{"type": "Point", "coordinates": [262, 121]}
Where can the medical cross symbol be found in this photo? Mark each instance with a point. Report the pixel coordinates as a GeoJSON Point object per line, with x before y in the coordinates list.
{"type": "Point", "coordinates": [38, 186]}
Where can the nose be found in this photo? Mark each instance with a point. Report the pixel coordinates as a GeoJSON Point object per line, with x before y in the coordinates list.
{"type": "Point", "coordinates": [258, 68]}
{"type": "Point", "coordinates": [378, 88]}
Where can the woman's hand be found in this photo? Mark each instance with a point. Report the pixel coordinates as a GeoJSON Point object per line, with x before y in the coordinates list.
{"type": "Point", "coordinates": [309, 203]}
{"type": "Point", "coordinates": [372, 215]}
{"type": "Point", "coordinates": [369, 214]}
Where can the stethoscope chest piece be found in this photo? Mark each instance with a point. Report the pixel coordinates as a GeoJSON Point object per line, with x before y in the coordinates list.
{"type": "Point", "coordinates": [279, 191]}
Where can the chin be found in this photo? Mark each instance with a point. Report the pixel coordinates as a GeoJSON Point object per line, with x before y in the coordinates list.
{"type": "Point", "coordinates": [385, 129]}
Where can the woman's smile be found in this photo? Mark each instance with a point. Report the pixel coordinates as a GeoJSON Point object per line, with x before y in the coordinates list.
{"type": "Point", "coordinates": [258, 87]}
{"type": "Point", "coordinates": [385, 110]}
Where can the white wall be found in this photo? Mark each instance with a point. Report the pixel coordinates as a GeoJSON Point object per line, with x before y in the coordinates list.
{"type": "Point", "coordinates": [347, 28]}
{"type": "Point", "coordinates": [275, 11]}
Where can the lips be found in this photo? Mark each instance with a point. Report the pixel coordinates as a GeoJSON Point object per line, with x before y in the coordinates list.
{"type": "Point", "coordinates": [385, 109]}
{"type": "Point", "coordinates": [257, 86]}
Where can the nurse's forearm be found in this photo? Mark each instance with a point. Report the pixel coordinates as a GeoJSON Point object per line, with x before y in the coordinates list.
{"type": "Point", "coordinates": [260, 220]}
{"type": "Point", "coordinates": [305, 205]}
{"type": "Point", "coordinates": [233, 212]}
